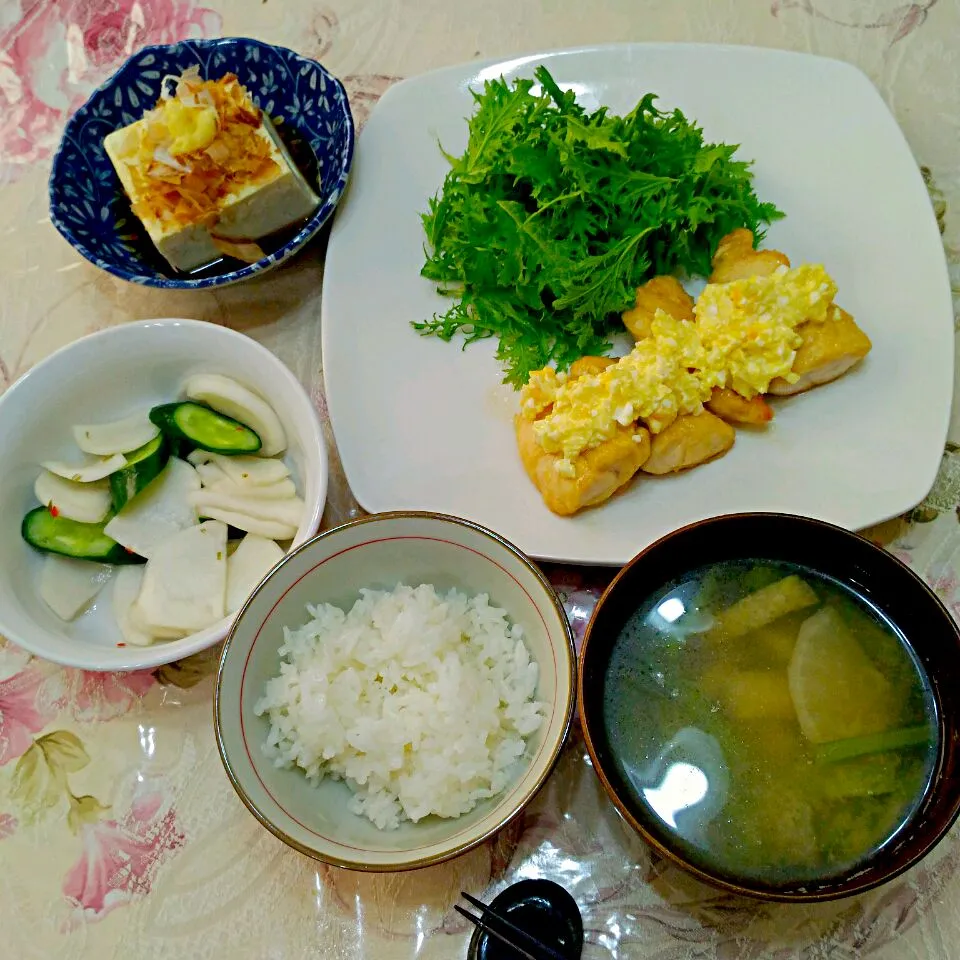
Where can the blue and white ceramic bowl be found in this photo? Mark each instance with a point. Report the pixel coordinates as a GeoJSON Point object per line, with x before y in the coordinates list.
{"type": "Point", "coordinates": [88, 205]}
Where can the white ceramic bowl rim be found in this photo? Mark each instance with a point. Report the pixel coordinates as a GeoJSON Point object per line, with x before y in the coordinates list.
{"type": "Point", "coordinates": [512, 802]}
{"type": "Point", "coordinates": [139, 658]}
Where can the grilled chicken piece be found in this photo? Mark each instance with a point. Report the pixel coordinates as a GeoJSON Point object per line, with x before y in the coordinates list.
{"type": "Point", "coordinates": [600, 472]}
{"type": "Point", "coordinates": [689, 440]}
{"type": "Point", "coordinates": [730, 406]}
{"type": "Point", "coordinates": [736, 259]}
{"type": "Point", "coordinates": [829, 350]}
{"type": "Point", "coordinates": [588, 365]}
{"type": "Point", "coordinates": [660, 293]}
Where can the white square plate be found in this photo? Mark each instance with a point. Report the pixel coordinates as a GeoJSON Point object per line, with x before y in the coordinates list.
{"type": "Point", "coordinates": [421, 424]}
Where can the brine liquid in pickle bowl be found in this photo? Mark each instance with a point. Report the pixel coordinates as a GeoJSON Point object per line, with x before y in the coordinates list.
{"type": "Point", "coordinates": [772, 721]}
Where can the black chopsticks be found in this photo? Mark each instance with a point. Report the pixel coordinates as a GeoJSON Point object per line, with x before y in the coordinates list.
{"type": "Point", "coordinates": [491, 922]}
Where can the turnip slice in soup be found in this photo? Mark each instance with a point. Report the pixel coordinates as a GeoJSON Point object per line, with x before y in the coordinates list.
{"type": "Point", "coordinates": [87, 470]}
{"type": "Point", "coordinates": [247, 566]}
{"type": "Point", "coordinates": [126, 589]}
{"type": "Point", "coordinates": [185, 581]}
{"type": "Point", "coordinates": [83, 502]}
{"type": "Point", "coordinates": [67, 586]}
{"type": "Point", "coordinates": [159, 511]}
{"type": "Point", "coordinates": [121, 436]}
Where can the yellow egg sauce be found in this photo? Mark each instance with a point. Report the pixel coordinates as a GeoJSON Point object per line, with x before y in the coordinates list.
{"type": "Point", "coordinates": [659, 378]}
{"type": "Point", "coordinates": [770, 720]}
{"type": "Point", "coordinates": [748, 327]}
{"type": "Point", "coordinates": [743, 337]}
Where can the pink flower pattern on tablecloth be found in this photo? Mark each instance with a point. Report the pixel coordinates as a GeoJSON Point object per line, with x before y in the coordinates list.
{"type": "Point", "coordinates": [93, 696]}
{"type": "Point", "coordinates": [22, 714]}
{"type": "Point", "coordinates": [947, 587]}
{"type": "Point", "coordinates": [50, 59]}
{"type": "Point", "coordinates": [901, 19]}
{"type": "Point", "coordinates": [59, 50]}
{"type": "Point", "coordinates": [120, 857]}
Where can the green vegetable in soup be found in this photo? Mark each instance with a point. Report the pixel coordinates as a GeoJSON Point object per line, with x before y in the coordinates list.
{"type": "Point", "coordinates": [882, 742]}
{"type": "Point", "coordinates": [760, 576]}
{"type": "Point", "coordinates": [553, 215]}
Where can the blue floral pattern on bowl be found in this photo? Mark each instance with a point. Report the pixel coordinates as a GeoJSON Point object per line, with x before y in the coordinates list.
{"type": "Point", "coordinates": [88, 206]}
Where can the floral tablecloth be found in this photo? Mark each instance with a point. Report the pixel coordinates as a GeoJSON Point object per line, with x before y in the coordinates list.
{"type": "Point", "coordinates": [120, 836]}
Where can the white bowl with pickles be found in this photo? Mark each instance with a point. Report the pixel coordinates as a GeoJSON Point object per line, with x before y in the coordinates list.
{"type": "Point", "coordinates": [156, 472]}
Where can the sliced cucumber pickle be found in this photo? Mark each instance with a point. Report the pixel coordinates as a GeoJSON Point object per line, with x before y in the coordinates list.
{"type": "Point", "coordinates": [143, 465]}
{"type": "Point", "coordinates": [70, 538]}
{"type": "Point", "coordinates": [203, 427]}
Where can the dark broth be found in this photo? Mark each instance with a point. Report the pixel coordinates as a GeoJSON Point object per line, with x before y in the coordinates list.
{"type": "Point", "coordinates": [771, 719]}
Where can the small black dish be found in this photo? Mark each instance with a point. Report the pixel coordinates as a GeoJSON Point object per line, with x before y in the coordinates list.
{"type": "Point", "coordinates": [543, 909]}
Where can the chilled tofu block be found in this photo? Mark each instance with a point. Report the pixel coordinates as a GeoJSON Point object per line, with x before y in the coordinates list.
{"type": "Point", "coordinates": [206, 169]}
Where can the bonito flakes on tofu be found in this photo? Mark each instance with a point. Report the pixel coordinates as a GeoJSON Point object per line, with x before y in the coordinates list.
{"type": "Point", "coordinates": [206, 172]}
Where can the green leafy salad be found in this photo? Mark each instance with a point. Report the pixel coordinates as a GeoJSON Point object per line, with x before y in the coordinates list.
{"type": "Point", "coordinates": [553, 216]}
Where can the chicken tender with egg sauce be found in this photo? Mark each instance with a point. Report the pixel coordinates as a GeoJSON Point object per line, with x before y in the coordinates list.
{"type": "Point", "coordinates": [728, 405]}
{"type": "Point", "coordinates": [592, 477]}
{"type": "Point", "coordinates": [759, 326]}
{"type": "Point", "coordinates": [660, 293]}
{"type": "Point", "coordinates": [657, 381]}
{"type": "Point", "coordinates": [736, 259]}
{"type": "Point", "coordinates": [689, 441]}
{"type": "Point", "coordinates": [748, 327]}
{"type": "Point", "coordinates": [826, 351]}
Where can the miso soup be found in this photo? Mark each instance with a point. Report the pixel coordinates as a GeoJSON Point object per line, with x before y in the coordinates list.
{"type": "Point", "coordinates": [771, 719]}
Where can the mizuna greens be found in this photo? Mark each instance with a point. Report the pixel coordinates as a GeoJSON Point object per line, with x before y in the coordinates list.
{"type": "Point", "coordinates": [553, 215]}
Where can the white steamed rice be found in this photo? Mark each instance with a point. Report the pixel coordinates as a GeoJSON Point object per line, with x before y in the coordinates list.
{"type": "Point", "coordinates": [421, 702]}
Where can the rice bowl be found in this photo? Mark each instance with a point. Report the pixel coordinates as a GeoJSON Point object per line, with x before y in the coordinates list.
{"type": "Point", "coordinates": [317, 815]}
{"type": "Point", "coordinates": [422, 703]}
